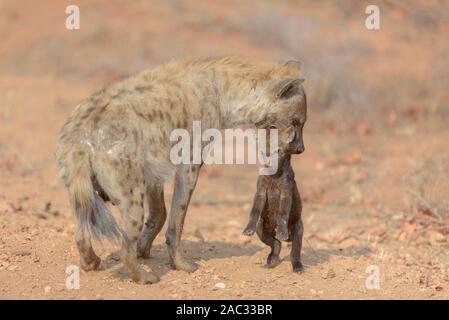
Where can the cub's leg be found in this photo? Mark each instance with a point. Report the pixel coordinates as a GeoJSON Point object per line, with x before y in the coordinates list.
{"type": "Point", "coordinates": [285, 205]}
{"type": "Point", "coordinates": [295, 254]}
{"type": "Point", "coordinates": [155, 222]}
{"type": "Point", "coordinates": [275, 245]}
{"type": "Point", "coordinates": [258, 205]}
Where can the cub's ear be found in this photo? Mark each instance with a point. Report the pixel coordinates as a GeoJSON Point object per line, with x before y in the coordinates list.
{"type": "Point", "coordinates": [294, 63]}
{"type": "Point", "coordinates": [288, 136]}
{"type": "Point", "coordinates": [286, 88]}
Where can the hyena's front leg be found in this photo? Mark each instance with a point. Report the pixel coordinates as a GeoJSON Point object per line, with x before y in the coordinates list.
{"type": "Point", "coordinates": [155, 222]}
{"type": "Point", "coordinates": [185, 182]}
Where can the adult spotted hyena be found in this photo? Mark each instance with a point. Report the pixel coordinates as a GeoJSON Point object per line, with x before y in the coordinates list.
{"type": "Point", "coordinates": [115, 146]}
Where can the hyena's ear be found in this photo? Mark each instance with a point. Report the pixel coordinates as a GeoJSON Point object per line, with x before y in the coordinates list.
{"type": "Point", "coordinates": [287, 87]}
{"type": "Point", "coordinates": [294, 63]}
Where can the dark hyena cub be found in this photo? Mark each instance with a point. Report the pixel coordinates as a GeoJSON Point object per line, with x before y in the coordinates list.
{"type": "Point", "coordinates": [276, 213]}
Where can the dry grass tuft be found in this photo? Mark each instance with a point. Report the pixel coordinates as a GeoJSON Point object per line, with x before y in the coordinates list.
{"type": "Point", "coordinates": [429, 189]}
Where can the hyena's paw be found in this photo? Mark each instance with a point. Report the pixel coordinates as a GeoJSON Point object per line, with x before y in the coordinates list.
{"type": "Point", "coordinates": [273, 261]}
{"type": "Point", "coordinates": [90, 264]}
{"type": "Point", "coordinates": [185, 266]}
{"type": "Point", "coordinates": [297, 266]}
{"type": "Point", "coordinates": [144, 277]}
{"type": "Point", "coordinates": [143, 252]}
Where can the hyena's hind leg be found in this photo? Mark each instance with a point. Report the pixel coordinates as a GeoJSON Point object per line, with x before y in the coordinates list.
{"type": "Point", "coordinates": [122, 181]}
{"type": "Point", "coordinates": [155, 221]}
{"type": "Point", "coordinates": [275, 245]}
{"type": "Point", "coordinates": [88, 259]}
{"type": "Point", "coordinates": [133, 221]}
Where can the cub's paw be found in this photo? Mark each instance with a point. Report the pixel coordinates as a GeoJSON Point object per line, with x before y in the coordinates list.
{"type": "Point", "coordinates": [249, 231]}
{"type": "Point", "coordinates": [297, 266]}
{"type": "Point", "coordinates": [272, 261]}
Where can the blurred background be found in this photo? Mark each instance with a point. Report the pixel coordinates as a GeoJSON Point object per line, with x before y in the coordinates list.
{"type": "Point", "coordinates": [374, 177]}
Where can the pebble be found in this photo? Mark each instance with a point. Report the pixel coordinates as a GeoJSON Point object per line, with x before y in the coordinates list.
{"type": "Point", "coordinates": [409, 261]}
{"type": "Point", "coordinates": [220, 285]}
{"type": "Point", "coordinates": [436, 238]}
{"type": "Point", "coordinates": [22, 253]}
{"type": "Point", "coordinates": [245, 239]}
{"type": "Point", "coordinates": [328, 274]}
{"type": "Point", "coordinates": [12, 268]}
{"type": "Point", "coordinates": [47, 289]}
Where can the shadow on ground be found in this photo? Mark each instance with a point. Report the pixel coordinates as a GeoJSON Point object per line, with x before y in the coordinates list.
{"type": "Point", "coordinates": [209, 250]}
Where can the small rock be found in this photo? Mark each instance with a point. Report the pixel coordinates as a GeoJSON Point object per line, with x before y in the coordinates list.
{"type": "Point", "coordinates": [409, 261]}
{"type": "Point", "coordinates": [328, 274]}
{"type": "Point", "coordinates": [22, 253]}
{"type": "Point", "coordinates": [47, 289]}
{"type": "Point", "coordinates": [220, 285]}
{"type": "Point", "coordinates": [4, 207]}
{"type": "Point", "coordinates": [12, 268]}
{"type": "Point", "coordinates": [245, 239]}
{"type": "Point", "coordinates": [436, 238]}
{"type": "Point", "coordinates": [356, 195]}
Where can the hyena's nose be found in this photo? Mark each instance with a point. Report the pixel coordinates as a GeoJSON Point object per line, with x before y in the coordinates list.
{"type": "Point", "coordinates": [299, 150]}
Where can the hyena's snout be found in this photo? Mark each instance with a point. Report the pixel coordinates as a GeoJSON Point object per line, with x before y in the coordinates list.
{"type": "Point", "coordinates": [299, 149]}
{"type": "Point", "coordinates": [297, 146]}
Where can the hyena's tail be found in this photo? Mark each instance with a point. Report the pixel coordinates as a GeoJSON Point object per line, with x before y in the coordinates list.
{"type": "Point", "coordinates": [90, 210]}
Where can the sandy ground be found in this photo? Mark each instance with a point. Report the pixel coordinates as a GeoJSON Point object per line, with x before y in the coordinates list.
{"type": "Point", "coordinates": [364, 176]}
